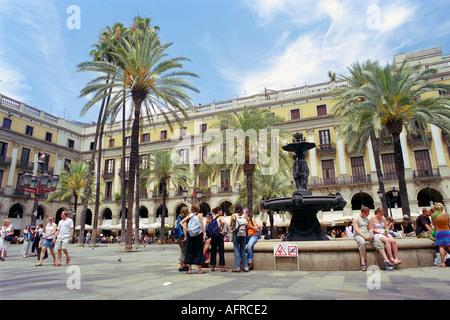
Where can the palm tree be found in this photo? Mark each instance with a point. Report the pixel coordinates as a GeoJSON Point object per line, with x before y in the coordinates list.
{"type": "Point", "coordinates": [248, 120]}
{"type": "Point", "coordinates": [164, 171]}
{"type": "Point", "coordinates": [400, 98]}
{"type": "Point", "coordinates": [73, 185]}
{"type": "Point", "coordinates": [150, 82]}
{"type": "Point", "coordinates": [357, 139]}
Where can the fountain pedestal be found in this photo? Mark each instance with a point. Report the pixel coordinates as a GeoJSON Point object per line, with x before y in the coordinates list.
{"type": "Point", "coordinates": [303, 205]}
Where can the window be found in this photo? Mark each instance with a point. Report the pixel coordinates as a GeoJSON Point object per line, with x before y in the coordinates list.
{"type": "Point", "coordinates": [109, 166]}
{"type": "Point", "coordinates": [389, 172]}
{"type": "Point", "coordinates": [358, 171]}
{"type": "Point", "coordinates": [111, 143]}
{"type": "Point", "coordinates": [29, 130]}
{"type": "Point", "coordinates": [144, 161]}
{"type": "Point", "coordinates": [322, 110]}
{"type": "Point", "coordinates": [70, 144]}
{"type": "Point", "coordinates": [25, 156]}
{"type": "Point", "coordinates": [6, 123]}
{"type": "Point", "coordinates": [67, 162]}
{"type": "Point", "coordinates": [127, 164]}
{"type": "Point", "coordinates": [145, 137]}
{"type": "Point", "coordinates": [3, 149]}
{"type": "Point", "coordinates": [163, 135]}
{"type": "Point", "coordinates": [183, 131]}
{"type": "Point", "coordinates": [128, 141]}
{"type": "Point", "coordinates": [203, 127]}
{"type": "Point", "coordinates": [295, 114]}
{"type": "Point", "coordinates": [328, 172]}
{"type": "Point", "coordinates": [184, 156]}
{"type": "Point", "coordinates": [202, 154]}
{"type": "Point", "coordinates": [225, 183]}
{"type": "Point", "coordinates": [91, 146]}
{"type": "Point", "coordinates": [423, 163]}
{"type": "Point", "coordinates": [324, 138]}
{"type": "Point", "coordinates": [48, 136]}
{"type": "Point", "coordinates": [108, 190]}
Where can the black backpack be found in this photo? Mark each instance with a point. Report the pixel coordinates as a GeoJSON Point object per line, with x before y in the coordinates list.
{"type": "Point", "coordinates": [213, 230]}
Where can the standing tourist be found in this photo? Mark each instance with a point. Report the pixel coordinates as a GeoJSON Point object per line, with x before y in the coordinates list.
{"type": "Point", "coordinates": [6, 236]}
{"type": "Point", "coordinates": [64, 232]}
{"type": "Point", "coordinates": [442, 231]}
{"type": "Point", "coordinates": [362, 234]}
{"type": "Point", "coordinates": [238, 224]}
{"type": "Point", "coordinates": [252, 237]}
{"type": "Point", "coordinates": [180, 237]}
{"type": "Point", "coordinates": [27, 239]}
{"type": "Point", "coordinates": [49, 235]}
{"type": "Point", "coordinates": [195, 233]}
{"type": "Point", "coordinates": [215, 230]}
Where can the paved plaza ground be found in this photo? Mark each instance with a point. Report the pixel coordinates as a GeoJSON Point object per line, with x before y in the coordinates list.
{"type": "Point", "coordinates": [151, 273]}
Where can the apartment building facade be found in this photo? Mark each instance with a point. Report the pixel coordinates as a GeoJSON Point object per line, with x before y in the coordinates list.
{"type": "Point", "coordinates": [27, 132]}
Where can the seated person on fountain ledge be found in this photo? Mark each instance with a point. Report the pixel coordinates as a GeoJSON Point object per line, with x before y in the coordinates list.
{"type": "Point", "coordinates": [360, 226]}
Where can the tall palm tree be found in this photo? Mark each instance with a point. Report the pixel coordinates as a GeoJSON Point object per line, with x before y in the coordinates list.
{"type": "Point", "coordinates": [153, 83]}
{"type": "Point", "coordinates": [73, 185]}
{"type": "Point", "coordinates": [164, 171]}
{"type": "Point", "coordinates": [356, 140]}
{"type": "Point", "coordinates": [249, 119]}
{"type": "Point", "coordinates": [400, 98]}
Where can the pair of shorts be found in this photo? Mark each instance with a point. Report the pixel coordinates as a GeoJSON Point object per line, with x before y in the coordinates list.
{"type": "Point", "coordinates": [62, 243]}
{"type": "Point", "coordinates": [48, 243]}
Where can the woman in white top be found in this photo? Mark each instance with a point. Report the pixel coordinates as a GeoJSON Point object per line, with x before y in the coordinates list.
{"type": "Point", "coordinates": [379, 227]}
{"type": "Point", "coordinates": [6, 231]}
{"type": "Point", "coordinates": [49, 235]}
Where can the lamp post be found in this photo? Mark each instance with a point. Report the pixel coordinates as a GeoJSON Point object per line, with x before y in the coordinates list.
{"type": "Point", "coordinates": [38, 185]}
{"type": "Point", "coordinates": [195, 197]}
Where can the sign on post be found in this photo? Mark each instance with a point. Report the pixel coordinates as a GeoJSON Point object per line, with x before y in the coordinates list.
{"type": "Point", "coordinates": [289, 250]}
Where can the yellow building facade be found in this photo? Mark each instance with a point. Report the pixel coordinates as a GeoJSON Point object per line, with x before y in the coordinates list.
{"type": "Point", "coordinates": [27, 132]}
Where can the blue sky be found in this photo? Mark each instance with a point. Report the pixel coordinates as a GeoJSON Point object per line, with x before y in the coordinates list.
{"type": "Point", "coordinates": [237, 47]}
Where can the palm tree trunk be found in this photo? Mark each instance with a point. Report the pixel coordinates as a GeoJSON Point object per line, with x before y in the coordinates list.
{"type": "Point", "coordinates": [75, 218]}
{"type": "Point", "coordinates": [400, 168]}
{"type": "Point", "coordinates": [136, 216]}
{"type": "Point", "coordinates": [123, 187]}
{"type": "Point", "coordinates": [163, 212]}
{"type": "Point", "coordinates": [134, 154]}
{"type": "Point", "coordinates": [376, 155]}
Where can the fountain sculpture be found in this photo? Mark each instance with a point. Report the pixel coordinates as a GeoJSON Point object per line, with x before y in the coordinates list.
{"type": "Point", "coordinates": [303, 205]}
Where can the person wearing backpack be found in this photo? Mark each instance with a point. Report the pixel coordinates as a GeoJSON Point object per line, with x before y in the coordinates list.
{"type": "Point", "coordinates": [239, 227]}
{"type": "Point", "coordinates": [215, 231]}
{"type": "Point", "coordinates": [178, 234]}
{"type": "Point", "coordinates": [194, 231]}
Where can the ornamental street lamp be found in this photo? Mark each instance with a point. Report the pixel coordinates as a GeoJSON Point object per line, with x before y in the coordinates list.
{"type": "Point", "coordinates": [38, 185]}
{"type": "Point", "coordinates": [195, 197]}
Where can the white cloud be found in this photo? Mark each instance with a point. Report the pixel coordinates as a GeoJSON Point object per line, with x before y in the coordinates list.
{"type": "Point", "coordinates": [331, 35]}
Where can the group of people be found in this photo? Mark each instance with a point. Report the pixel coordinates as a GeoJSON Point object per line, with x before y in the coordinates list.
{"type": "Point", "coordinates": [51, 236]}
{"type": "Point", "coordinates": [195, 237]}
{"type": "Point", "coordinates": [378, 231]}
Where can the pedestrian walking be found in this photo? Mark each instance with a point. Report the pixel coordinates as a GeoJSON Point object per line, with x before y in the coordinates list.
{"type": "Point", "coordinates": [64, 232]}
{"type": "Point", "coordinates": [6, 236]}
{"type": "Point", "coordinates": [48, 236]}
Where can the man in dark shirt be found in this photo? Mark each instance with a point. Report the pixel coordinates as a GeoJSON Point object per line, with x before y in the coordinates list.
{"type": "Point", "coordinates": [424, 226]}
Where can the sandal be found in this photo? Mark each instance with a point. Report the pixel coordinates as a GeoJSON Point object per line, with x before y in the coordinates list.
{"type": "Point", "coordinates": [363, 267]}
{"type": "Point", "coordinates": [388, 266]}
{"type": "Point", "coordinates": [442, 265]}
{"type": "Point", "coordinates": [223, 270]}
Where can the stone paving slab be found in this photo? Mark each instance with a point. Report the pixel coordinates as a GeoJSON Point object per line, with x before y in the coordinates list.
{"type": "Point", "coordinates": [151, 273]}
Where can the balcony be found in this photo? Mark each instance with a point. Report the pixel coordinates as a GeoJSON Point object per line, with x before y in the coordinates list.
{"type": "Point", "coordinates": [326, 149]}
{"type": "Point", "coordinates": [5, 161]}
{"type": "Point", "coordinates": [108, 175]}
{"type": "Point", "coordinates": [226, 189]}
{"type": "Point", "coordinates": [416, 140]}
{"type": "Point", "coordinates": [21, 164]}
{"type": "Point", "coordinates": [446, 137]}
{"type": "Point", "coordinates": [344, 180]}
{"type": "Point", "coordinates": [426, 174]}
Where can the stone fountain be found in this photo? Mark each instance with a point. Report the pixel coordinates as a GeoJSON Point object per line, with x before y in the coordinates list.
{"type": "Point", "coordinates": [303, 205]}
